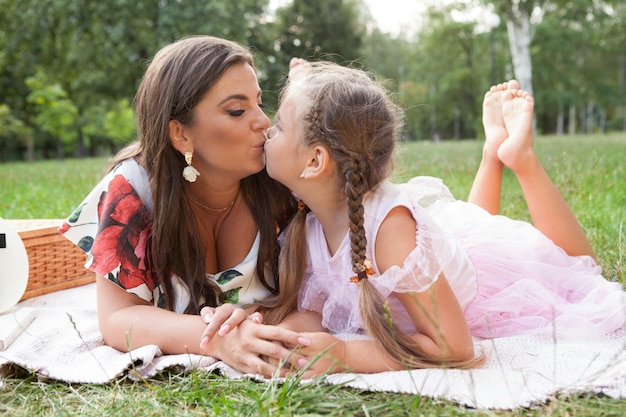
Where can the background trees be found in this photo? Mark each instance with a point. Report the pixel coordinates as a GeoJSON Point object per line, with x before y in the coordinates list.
{"type": "Point", "coordinates": [69, 68]}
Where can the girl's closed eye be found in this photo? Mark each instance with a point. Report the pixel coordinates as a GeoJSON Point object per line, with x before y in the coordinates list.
{"type": "Point", "coordinates": [273, 131]}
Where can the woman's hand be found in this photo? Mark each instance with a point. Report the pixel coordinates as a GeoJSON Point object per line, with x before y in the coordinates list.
{"type": "Point", "coordinates": [223, 318]}
{"type": "Point", "coordinates": [244, 346]}
{"type": "Point", "coordinates": [238, 337]}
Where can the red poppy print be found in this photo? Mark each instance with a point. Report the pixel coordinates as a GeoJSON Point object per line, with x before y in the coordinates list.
{"type": "Point", "coordinates": [124, 236]}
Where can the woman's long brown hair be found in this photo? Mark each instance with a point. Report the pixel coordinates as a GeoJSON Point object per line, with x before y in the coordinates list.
{"type": "Point", "coordinates": [176, 80]}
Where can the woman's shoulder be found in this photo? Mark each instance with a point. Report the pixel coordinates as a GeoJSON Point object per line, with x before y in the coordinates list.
{"type": "Point", "coordinates": [137, 178]}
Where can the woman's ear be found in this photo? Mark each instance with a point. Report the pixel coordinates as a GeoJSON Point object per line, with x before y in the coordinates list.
{"type": "Point", "coordinates": [178, 139]}
{"type": "Point", "coordinates": [317, 163]}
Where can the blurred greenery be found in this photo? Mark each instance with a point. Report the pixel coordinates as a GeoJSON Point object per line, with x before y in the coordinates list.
{"type": "Point", "coordinates": [69, 68]}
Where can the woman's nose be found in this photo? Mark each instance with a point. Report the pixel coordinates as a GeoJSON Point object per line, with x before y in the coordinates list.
{"type": "Point", "coordinates": [262, 121]}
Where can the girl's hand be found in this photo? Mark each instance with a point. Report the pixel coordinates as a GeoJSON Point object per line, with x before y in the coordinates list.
{"type": "Point", "coordinates": [325, 354]}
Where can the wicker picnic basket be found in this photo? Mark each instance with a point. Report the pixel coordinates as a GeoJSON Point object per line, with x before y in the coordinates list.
{"type": "Point", "coordinates": [54, 262]}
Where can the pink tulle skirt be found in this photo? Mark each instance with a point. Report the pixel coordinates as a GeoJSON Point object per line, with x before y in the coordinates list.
{"type": "Point", "coordinates": [527, 284]}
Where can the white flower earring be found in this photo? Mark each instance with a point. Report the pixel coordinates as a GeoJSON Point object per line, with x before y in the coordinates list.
{"type": "Point", "coordinates": [190, 173]}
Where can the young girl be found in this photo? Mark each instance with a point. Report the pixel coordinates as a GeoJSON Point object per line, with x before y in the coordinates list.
{"type": "Point", "coordinates": [417, 272]}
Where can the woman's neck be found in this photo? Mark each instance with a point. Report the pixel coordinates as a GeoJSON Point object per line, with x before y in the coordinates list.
{"type": "Point", "coordinates": [213, 199]}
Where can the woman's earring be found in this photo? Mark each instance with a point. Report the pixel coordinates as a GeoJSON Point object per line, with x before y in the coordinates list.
{"type": "Point", "coordinates": [190, 173]}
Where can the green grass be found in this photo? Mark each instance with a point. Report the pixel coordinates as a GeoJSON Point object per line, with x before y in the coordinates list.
{"type": "Point", "coordinates": [589, 170]}
{"type": "Point", "coordinates": [47, 189]}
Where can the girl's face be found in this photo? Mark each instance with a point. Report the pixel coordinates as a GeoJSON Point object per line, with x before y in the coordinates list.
{"type": "Point", "coordinates": [229, 127]}
{"type": "Point", "coordinates": [285, 157]}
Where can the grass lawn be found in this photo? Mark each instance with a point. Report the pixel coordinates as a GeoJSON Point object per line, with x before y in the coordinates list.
{"type": "Point", "coordinates": [589, 170]}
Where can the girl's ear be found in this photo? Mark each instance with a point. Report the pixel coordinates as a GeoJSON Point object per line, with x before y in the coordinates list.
{"type": "Point", "coordinates": [177, 137]}
{"type": "Point", "coordinates": [318, 163]}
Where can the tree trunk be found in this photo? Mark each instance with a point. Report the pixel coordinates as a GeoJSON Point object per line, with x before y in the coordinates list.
{"type": "Point", "coordinates": [560, 121]}
{"type": "Point", "coordinates": [572, 120]}
{"type": "Point", "coordinates": [602, 121]}
{"type": "Point", "coordinates": [80, 144]}
{"type": "Point", "coordinates": [520, 35]}
{"type": "Point", "coordinates": [589, 122]}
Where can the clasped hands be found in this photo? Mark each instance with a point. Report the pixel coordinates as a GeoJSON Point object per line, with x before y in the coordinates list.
{"type": "Point", "coordinates": [238, 337]}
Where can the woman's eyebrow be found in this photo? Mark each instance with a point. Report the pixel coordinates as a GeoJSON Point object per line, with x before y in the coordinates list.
{"type": "Point", "coordinates": [237, 97]}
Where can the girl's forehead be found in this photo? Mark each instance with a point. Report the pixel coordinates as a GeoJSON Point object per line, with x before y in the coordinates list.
{"type": "Point", "coordinates": [287, 106]}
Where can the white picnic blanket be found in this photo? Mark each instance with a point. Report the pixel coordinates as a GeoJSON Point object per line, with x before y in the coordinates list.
{"type": "Point", "coordinates": [63, 343]}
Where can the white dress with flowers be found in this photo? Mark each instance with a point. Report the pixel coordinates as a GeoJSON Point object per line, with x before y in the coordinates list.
{"type": "Point", "coordinates": [113, 226]}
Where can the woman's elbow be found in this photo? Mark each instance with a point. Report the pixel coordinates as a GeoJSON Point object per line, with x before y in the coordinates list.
{"type": "Point", "coordinates": [112, 335]}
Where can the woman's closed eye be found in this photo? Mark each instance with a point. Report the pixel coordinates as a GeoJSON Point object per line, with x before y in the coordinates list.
{"type": "Point", "coordinates": [235, 113]}
{"type": "Point", "coordinates": [239, 112]}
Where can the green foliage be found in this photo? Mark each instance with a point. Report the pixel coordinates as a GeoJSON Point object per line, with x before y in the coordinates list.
{"type": "Point", "coordinates": [96, 51]}
{"type": "Point", "coordinates": [94, 54]}
{"type": "Point", "coordinates": [13, 134]}
{"type": "Point", "coordinates": [120, 123]}
{"type": "Point", "coordinates": [54, 112]}
{"type": "Point", "coordinates": [323, 29]}
{"type": "Point", "coordinates": [447, 75]}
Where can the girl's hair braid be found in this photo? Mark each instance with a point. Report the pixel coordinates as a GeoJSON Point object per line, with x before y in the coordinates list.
{"type": "Point", "coordinates": [355, 189]}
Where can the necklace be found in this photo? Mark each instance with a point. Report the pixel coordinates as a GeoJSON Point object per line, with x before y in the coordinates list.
{"type": "Point", "coordinates": [219, 210]}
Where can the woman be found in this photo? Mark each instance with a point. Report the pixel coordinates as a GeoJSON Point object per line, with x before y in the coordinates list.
{"type": "Point", "coordinates": [187, 217]}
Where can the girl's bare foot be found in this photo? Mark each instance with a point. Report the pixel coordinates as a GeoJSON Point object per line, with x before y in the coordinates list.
{"type": "Point", "coordinates": [517, 113]}
{"type": "Point", "coordinates": [493, 121]}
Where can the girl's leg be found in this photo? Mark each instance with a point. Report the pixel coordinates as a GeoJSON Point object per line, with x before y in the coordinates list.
{"type": "Point", "coordinates": [487, 185]}
{"type": "Point", "coordinates": [548, 209]}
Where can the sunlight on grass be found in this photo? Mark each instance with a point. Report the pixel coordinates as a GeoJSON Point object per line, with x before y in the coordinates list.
{"type": "Point", "coordinates": [589, 170]}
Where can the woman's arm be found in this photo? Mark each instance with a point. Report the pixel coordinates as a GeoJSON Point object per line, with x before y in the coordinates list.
{"type": "Point", "coordinates": [128, 322]}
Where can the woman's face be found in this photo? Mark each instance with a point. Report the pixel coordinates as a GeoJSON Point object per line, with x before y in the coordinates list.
{"type": "Point", "coordinates": [229, 127]}
{"type": "Point", "coordinates": [285, 157]}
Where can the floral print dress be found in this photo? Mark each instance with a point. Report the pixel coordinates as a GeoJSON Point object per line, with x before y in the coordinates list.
{"type": "Point", "coordinates": [113, 227]}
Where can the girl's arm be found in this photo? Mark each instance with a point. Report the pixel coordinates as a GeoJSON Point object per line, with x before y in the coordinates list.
{"type": "Point", "coordinates": [128, 322]}
{"type": "Point", "coordinates": [442, 331]}
{"type": "Point", "coordinates": [436, 313]}
{"type": "Point", "coordinates": [441, 334]}
{"type": "Point", "coordinates": [326, 353]}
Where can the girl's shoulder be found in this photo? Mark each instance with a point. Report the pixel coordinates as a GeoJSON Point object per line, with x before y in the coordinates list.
{"type": "Point", "coordinates": [418, 193]}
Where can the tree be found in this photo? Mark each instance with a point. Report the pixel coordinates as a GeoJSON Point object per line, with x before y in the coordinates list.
{"type": "Point", "coordinates": [96, 51]}
{"type": "Point", "coordinates": [517, 15]}
{"type": "Point", "coordinates": [328, 29]}
{"type": "Point", "coordinates": [578, 45]}
{"type": "Point", "coordinates": [54, 112]}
